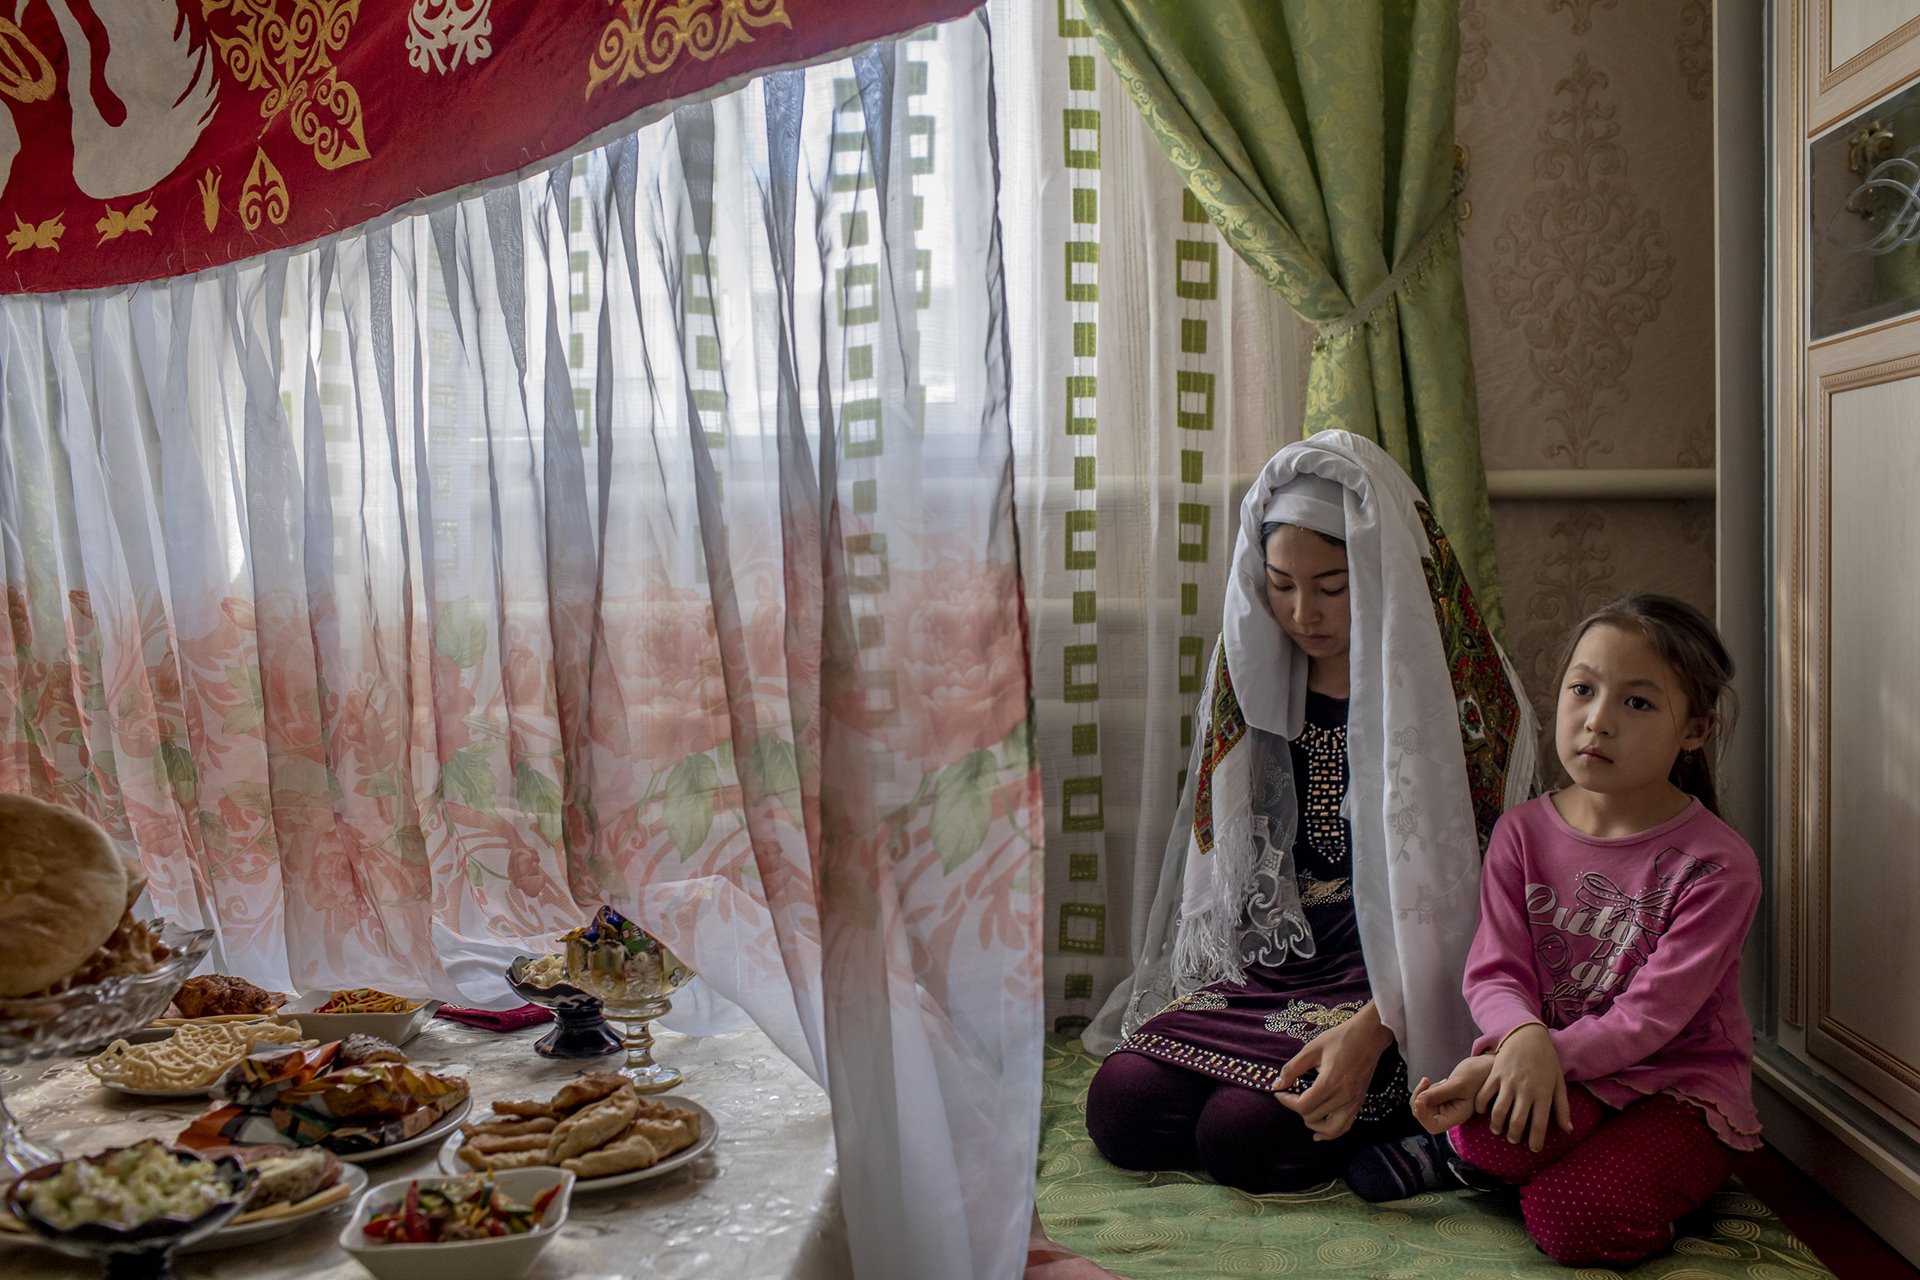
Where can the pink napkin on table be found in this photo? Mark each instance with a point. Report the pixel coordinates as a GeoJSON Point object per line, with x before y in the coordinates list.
{"type": "Point", "coordinates": [527, 1015]}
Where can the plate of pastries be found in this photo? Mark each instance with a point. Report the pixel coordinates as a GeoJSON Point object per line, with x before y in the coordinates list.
{"type": "Point", "coordinates": [596, 1126]}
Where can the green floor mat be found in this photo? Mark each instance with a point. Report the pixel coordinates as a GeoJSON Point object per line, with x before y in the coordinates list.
{"type": "Point", "coordinates": [1144, 1227]}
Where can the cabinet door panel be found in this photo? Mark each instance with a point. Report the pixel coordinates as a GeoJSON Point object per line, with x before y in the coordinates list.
{"type": "Point", "coordinates": [1856, 50]}
{"type": "Point", "coordinates": [1864, 756]}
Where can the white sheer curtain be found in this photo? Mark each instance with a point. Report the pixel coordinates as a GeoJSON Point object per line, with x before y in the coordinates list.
{"type": "Point", "coordinates": [1154, 376]}
{"type": "Point", "coordinates": [639, 532]}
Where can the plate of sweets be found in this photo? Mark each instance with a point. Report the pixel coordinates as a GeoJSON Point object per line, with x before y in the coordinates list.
{"type": "Point", "coordinates": [596, 1127]}
{"type": "Point", "coordinates": [359, 1098]}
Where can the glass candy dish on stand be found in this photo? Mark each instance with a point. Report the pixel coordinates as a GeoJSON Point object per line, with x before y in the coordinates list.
{"type": "Point", "coordinates": [631, 973]}
{"type": "Point", "coordinates": [82, 1020]}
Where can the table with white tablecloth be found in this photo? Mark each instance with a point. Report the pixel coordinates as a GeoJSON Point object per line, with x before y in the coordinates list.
{"type": "Point", "coordinates": [763, 1201]}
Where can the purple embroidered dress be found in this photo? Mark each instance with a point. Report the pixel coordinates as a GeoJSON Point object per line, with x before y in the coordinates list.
{"type": "Point", "coordinates": [1244, 1034]}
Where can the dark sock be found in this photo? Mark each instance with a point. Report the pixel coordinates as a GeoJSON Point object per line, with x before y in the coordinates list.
{"type": "Point", "coordinates": [1396, 1170]}
{"type": "Point", "coordinates": [1472, 1177]}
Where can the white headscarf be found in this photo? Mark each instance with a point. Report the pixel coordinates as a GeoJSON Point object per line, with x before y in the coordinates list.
{"type": "Point", "coordinates": [1416, 845]}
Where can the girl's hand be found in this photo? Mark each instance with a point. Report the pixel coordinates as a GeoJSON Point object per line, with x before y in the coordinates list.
{"type": "Point", "coordinates": [1525, 1087]}
{"type": "Point", "coordinates": [1439, 1107]}
{"type": "Point", "coordinates": [1345, 1056]}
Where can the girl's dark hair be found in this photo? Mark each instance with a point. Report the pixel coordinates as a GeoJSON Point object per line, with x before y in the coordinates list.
{"type": "Point", "coordinates": [1272, 527]}
{"type": "Point", "coordinates": [1687, 642]}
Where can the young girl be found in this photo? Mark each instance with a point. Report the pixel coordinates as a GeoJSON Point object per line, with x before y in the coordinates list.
{"type": "Point", "coordinates": [1612, 1074]}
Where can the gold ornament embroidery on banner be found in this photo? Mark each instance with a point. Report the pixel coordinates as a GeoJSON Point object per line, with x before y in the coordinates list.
{"type": "Point", "coordinates": [210, 197]}
{"type": "Point", "coordinates": [290, 55]}
{"type": "Point", "coordinates": [27, 235]}
{"type": "Point", "coordinates": [114, 224]}
{"type": "Point", "coordinates": [25, 73]}
{"type": "Point", "coordinates": [654, 33]}
{"type": "Point", "coordinates": [264, 194]}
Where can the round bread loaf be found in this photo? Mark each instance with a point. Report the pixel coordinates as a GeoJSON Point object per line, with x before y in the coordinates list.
{"type": "Point", "coordinates": [62, 892]}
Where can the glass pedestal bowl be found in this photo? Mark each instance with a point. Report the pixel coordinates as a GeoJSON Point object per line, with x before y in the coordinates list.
{"type": "Point", "coordinates": [80, 1021]}
{"type": "Point", "coordinates": [632, 975]}
{"type": "Point", "coordinates": [143, 1251]}
{"type": "Point", "coordinates": [580, 1029]}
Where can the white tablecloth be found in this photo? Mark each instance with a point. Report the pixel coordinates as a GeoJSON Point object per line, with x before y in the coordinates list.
{"type": "Point", "coordinates": [763, 1202]}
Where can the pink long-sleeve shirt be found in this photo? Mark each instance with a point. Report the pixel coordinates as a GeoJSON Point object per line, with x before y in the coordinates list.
{"type": "Point", "coordinates": [1628, 948]}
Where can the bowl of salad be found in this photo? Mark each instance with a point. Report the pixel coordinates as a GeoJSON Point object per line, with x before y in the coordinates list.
{"type": "Point", "coordinates": [129, 1208]}
{"type": "Point", "coordinates": [490, 1225]}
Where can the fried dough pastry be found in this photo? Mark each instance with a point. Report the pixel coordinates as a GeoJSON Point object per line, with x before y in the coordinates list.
{"type": "Point", "coordinates": [593, 1126]}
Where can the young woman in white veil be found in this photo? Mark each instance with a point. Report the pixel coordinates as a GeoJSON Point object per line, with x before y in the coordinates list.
{"type": "Point", "coordinates": [1358, 735]}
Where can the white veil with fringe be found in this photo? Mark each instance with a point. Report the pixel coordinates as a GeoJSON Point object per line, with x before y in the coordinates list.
{"type": "Point", "coordinates": [1416, 842]}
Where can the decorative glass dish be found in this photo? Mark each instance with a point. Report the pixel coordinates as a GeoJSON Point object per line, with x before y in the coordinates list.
{"type": "Point", "coordinates": [632, 973]}
{"type": "Point", "coordinates": [82, 1020]}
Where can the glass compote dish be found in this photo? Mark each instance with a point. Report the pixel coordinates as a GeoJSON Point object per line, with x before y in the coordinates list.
{"type": "Point", "coordinates": [81, 1020]}
{"type": "Point", "coordinates": [631, 973]}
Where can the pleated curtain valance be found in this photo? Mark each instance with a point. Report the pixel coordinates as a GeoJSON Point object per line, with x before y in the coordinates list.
{"type": "Point", "coordinates": [142, 139]}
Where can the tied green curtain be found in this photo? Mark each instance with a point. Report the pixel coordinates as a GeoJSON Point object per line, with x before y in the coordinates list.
{"type": "Point", "coordinates": [1318, 134]}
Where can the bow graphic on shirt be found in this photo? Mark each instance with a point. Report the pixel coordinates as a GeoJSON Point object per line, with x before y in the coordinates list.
{"type": "Point", "coordinates": [1626, 925]}
{"type": "Point", "coordinates": [1639, 920]}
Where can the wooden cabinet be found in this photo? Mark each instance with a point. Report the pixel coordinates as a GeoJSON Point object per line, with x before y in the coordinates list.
{"type": "Point", "coordinates": [1838, 1069]}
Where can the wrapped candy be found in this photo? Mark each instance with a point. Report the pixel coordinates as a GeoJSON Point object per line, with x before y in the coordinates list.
{"type": "Point", "coordinates": [619, 961]}
{"type": "Point", "coordinates": [301, 1098]}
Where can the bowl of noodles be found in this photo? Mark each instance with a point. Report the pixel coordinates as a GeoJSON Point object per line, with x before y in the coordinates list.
{"type": "Point", "coordinates": [335, 1015]}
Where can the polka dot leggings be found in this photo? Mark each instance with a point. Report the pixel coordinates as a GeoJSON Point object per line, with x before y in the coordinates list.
{"type": "Point", "coordinates": [1607, 1193]}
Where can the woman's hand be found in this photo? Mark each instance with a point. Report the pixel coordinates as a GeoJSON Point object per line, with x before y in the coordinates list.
{"type": "Point", "coordinates": [1525, 1087]}
{"type": "Point", "coordinates": [1439, 1107]}
{"type": "Point", "coordinates": [1345, 1056]}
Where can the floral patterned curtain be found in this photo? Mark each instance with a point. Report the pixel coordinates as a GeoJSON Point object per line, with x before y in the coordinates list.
{"type": "Point", "coordinates": [639, 532]}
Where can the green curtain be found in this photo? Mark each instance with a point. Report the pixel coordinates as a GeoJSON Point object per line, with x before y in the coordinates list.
{"type": "Point", "coordinates": [1318, 134]}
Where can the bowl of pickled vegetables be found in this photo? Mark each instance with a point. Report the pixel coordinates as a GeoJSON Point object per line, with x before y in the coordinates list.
{"type": "Point", "coordinates": [490, 1225]}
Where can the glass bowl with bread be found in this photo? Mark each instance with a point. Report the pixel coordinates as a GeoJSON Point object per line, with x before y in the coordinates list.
{"type": "Point", "coordinates": [78, 968]}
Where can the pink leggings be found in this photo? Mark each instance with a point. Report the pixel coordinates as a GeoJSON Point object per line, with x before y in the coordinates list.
{"type": "Point", "coordinates": [1607, 1193]}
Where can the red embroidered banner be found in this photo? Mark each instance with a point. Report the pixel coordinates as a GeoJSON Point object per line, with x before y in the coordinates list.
{"type": "Point", "coordinates": [149, 138]}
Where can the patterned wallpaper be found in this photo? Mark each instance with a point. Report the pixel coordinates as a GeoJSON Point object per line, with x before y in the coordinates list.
{"type": "Point", "coordinates": [1589, 264]}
